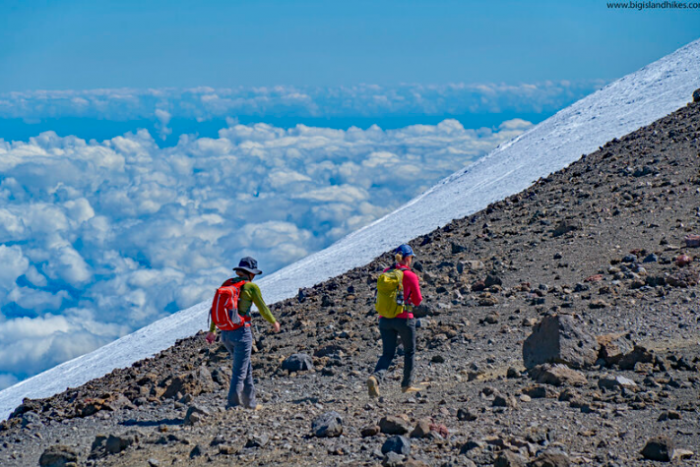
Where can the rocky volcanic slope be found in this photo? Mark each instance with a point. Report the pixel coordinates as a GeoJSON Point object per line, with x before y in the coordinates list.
{"type": "Point", "coordinates": [588, 269]}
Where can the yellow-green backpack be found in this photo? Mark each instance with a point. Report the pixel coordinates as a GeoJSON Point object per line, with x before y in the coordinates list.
{"type": "Point", "coordinates": [389, 285]}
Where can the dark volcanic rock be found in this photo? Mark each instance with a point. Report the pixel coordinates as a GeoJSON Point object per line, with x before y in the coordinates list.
{"type": "Point", "coordinates": [558, 375]}
{"type": "Point", "coordinates": [196, 451]}
{"type": "Point", "coordinates": [398, 444]}
{"type": "Point", "coordinates": [196, 413]}
{"type": "Point", "coordinates": [638, 355]}
{"type": "Point", "coordinates": [466, 415]}
{"type": "Point", "coordinates": [613, 347]}
{"type": "Point", "coordinates": [257, 441]}
{"type": "Point", "coordinates": [551, 458]}
{"type": "Point", "coordinates": [510, 459]}
{"type": "Point", "coordinates": [58, 456]}
{"type": "Point", "coordinates": [328, 425]}
{"type": "Point", "coordinates": [186, 383]}
{"type": "Point", "coordinates": [370, 430]}
{"type": "Point", "coordinates": [560, 339]}
{"type": "Point", "coordinates": [298, 362]}
{"type": "Point", "coordinates": [103, 445]}
{"type": "Point", "coordinates": [565, 227]}
{"type": "Point", "coordinates": [659, 449]}
{"type": "Point", "coordinates": [394, 425]}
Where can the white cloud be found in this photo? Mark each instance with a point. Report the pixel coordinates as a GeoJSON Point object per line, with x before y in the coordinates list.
{"type": "Point", "coordinates": [163, 117]}
{"type": "Point", "coordinates": [14, 264]}
{"type": "Point", "coordinates": [99, 239]}
{"type": "Point", "coordinates": [366, 100]}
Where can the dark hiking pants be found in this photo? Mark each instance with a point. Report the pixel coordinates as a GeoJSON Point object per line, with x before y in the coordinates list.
{"type": "Point", "coordinates": [242, 390]}
{"type": "Point", "coordinates": [391, 330]}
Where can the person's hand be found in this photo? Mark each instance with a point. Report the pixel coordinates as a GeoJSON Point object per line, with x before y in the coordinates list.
{"type": "Point", "coordinates": [276, 326]}
{"type": "Point", "coordinates": [211, 337]}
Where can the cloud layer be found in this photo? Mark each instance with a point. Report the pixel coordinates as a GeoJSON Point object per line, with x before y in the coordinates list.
{"type": "Point", "coordinates": [205, 103]}
{"type": "Point", "coordinates": [99, 239]}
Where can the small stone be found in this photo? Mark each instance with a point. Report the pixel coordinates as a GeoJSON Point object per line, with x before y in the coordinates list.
{"type": "Point", "coordinates": [538, 391]}
{"type": "Point", "coordinates": [392, 425]}
{"type": "Point", "coordinates": [505, 401]}
{"type": "Point", "coordinates": [58, 456]}
{"type": "Point", "coordinates": [669, 415]}
{"type": "Point", "coordinates": [438, 359]}
{"type": "Point", "coordinates": [465, 415]}
{"type": "Point", "coordinates": [298, 362]}
{"type": "Point", "coordinates": [391, 459]}
{"type": "Point", "coordinates": [660, 448]}
{"type": "Point", "coordinates": [196, 413]}
{"type": "Point", "coordinates": [422, 429]}
{"type": "Point", "coordinates": [598, 304]}
{"type": "Point", "coordinates": [613, 347]}
{"type": "Point", "coordinates": [196, 451]}
{"type": "Point", "coordinates": [614, 382]}
{"type": "Point", "coordinates": [650, 258]}
{"type": "Point", "coordinates": [327, 425]}
{"type": "Point", "coordinates": [558, 375]}
{"type": "Point", "coordinates": [682, 454]}
{"type": "Point", "coordinates": [510, 459]}
{"type": "Point", "coordinates": [370, 430]}
{"type": "Point", "coordinates": [551, 458]}
{"type": "Point", "coordinates": [398, 444]}
{"type": "Point", "coordinates": [513, 373]}
{"type": "Point", "coordinates": [257, 441]}
{"type": "Point", "coordinates": [489, 300]}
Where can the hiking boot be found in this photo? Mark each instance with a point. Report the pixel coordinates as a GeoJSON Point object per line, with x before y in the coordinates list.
{"type": "Point", "coordinates": [373, 386]}
{"type": "Point", "coordinates": [412, 388]}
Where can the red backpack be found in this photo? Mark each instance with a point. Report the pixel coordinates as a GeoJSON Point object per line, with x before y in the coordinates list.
{"type": "Point", "coordinates": [224, 307]}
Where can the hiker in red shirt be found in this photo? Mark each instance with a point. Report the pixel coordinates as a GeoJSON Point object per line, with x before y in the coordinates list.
{"type": "Point", "coordinates": [402, 326]}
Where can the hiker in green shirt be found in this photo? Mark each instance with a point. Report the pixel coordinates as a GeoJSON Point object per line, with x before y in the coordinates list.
{"type": "Point", "coordinates": [236, 334]}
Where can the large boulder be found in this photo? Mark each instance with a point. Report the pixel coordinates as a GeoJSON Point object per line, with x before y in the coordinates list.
{"type": "Point", "coordinates": [560, 339]}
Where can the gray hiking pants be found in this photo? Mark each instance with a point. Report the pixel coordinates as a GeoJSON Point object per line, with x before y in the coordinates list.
{"type": "Point", "coordinates": [242, 390]}
{"type": "Point", "coordinates": [391, 330]}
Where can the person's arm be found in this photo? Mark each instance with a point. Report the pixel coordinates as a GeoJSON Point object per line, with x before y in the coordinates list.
{"type": "Point", "coordinates": [256, 295]}
{"type": "Point", "coordinates": [211, 336]}
{"type": "Point", "coordinates": [412, 288]}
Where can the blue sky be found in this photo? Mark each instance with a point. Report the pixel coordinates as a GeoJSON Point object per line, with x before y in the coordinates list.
{"type": "Point", "coordinates": [125, 127]}
{"type": "Point", "coordinates": [86, 44]}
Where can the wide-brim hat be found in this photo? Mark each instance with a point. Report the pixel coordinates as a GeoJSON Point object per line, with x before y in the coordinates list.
{"type": "Point", "coordinates": [248, 264]}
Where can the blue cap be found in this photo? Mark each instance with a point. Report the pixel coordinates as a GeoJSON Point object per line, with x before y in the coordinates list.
{"type": "Point", "coordinates": [404, 250]}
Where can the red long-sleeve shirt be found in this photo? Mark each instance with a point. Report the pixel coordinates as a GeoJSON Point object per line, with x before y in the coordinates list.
{"type": "Point", "coordinates": [411, 290]}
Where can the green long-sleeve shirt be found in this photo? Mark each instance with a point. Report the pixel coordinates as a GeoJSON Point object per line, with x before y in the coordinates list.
{"type": "Point", "coordinates": [250, 294]}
